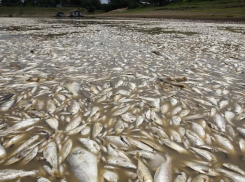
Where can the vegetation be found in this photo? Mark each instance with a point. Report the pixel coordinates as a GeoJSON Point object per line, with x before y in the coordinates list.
{"type": "Point", "coordinates": [190, 9]}
{"type": "Point", "coordinates": [197, 9]}
{"type": "Point", "coordinates": [28, 11]}
{"type": "Point", "coordinates": [90, 5]}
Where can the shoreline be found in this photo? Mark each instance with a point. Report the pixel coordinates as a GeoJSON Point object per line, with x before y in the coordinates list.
{"type": "Point", "coordinates": [143, 16]}
{"type": "Point", "coordinates": [222, 19]}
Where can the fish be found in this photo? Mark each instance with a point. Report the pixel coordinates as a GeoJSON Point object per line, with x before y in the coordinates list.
{"type": "Point", "coordinates": [12, 174]}
{"type": "Point", "coordinates": [91, 145]}
{"type": "Point", "coordinates": [2, 152]}
{"type": "Point", "coordinates": [110, 176]}
{"type": "Point", "coordinates": [75, 121]}
{"type": "Point", "coordinates": [232, 175]}
{"type": "Point", "coordinates": [42, 179]}
{"type": "Point", "coordinates": [164, 172]}
{"type": "Point", "coordinates": [66, 149]}
{"type": "Point", "coordinates": [20, 125]}
{"type": "Point", "coordinates": [120, 162]}
{"type": "Point", "coordinates": [53, 123]}
{"type": "Point", "coordinates": [143, 172]}
{"type": "Point", "coordinates": [181, 177]}
{"type": "Point", "coordinates": [83, 164]}
{"type": "Point", "coordinates": [7, 105]}
{"type": "Point", "coordinates": [50, 153]}
{"type": "Point", "coordinates": [73, 87]}
{"type": "Point", "coordinates": [201, 178]}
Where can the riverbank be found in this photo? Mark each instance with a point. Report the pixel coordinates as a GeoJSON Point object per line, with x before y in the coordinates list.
{"type": "Point", "coordinates": [37, 11]}
{"type": "Point", "coordinates": [204, 10]}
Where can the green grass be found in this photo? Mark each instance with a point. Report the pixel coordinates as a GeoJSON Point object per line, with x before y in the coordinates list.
{"type": "Point", "coordinates": [229, 9]}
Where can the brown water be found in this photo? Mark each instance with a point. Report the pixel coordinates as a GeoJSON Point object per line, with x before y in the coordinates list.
{"type": "Point", "coordinates": [48, 53]}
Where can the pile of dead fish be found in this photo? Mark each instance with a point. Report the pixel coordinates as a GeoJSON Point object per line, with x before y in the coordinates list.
{"type": "Point", "coordinates": [122, 131]}
{"type": "Point", "coordinates": [100, 111]}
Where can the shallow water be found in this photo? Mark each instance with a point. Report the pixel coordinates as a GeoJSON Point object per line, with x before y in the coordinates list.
{"type": "Point", "coordinates": [47, 54]}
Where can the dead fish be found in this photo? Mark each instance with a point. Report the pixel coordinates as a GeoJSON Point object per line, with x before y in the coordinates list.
{"type": "Point", "coordinates": [181, 177]}
{"type": "Point", "coordinates": [12, 174]}
{"type": "Point", "coordinates": [51, 155]}
{"type": "Point", "coordinates": [159, 132]}
{"type": "Point", "coordinates": [119, 126]}
{"type": "Point", "coordinates": [201, 178]}
{"type": "Point", "coordinates": [20, 125]}
{"type": "Point", "coordinates": [128, 117]}
{"type": "Point", "coordinates": [74, 107]}
{"type": "Point", "coordinates": [143, 172]}
{"type": "Point", "coordinates": [242, 145]}
{"type": "Point", "coordinates": [51, 107]}
{"type": "Point", "coordinates": [76, 120]}
{"type": "Point", "coordinates": [30, 156]}
{"type": "Point", "coordinates": [155, 118]}
{"type": "Point", "coordinates": [83, 164]}
{"type": "Point", "coordinates": [194, 138]}
{"type": "Point", "coordinates": [140, 144]}
{"type": "Point", "coordinates": [220, 122]}
{"type": "Point", "coordinates": [22, 154]}
{"type": "Point", "coordinates": [66, 149]}
{"type": "Point", "coordinates": [121, 111]}
{"type": "Point", "coordinates": [97, 128]}
{"type": "Point", "coordinates": [90, 145]}
{"type": "Point", "coordinates": [164, 108]}
{"type": "Point", "coordinates": [73, 87]}
{"type": "Point", "coordinates": [202, 169]}
{"type": "Point", "coordinates": [118, 141]}
{"type": "Point", "coordinates": [229, 116]}
{"type": "Point", "coordinates": [94, 111]}
{"type": "Point", "coordinates": [77, 130]}
{"type": "Point", "coordinates": [120, 162]}
{"type": "Point", "coordinates": [2, 152]}
{"type": "Point", "coordinates": [24, 145]}
{"type": "Point", "coordinates": [42, 179]}
{"type": "Point", "coordinates": [224, 142]}
{"type": "Point", "coordinates": [241, 131]}
{"type": "Point", "coordinates": [143, 153]}
{"type": "Point", "coordinates": [153, 145]}
{"type": "Point", "coordinates": [53, 123]}
{"type": "Point", "coordinates": [164, 172]}
{"type": "Point", "coordinates": [238, 108]}
{"type": "Point", "coordinates": [223, 104]}
{"type": "Point", "coordinates": [139, 121]}
{"type": "Point", "coordinates": [7, 105]}
{"type": "Point", "coordinates": [196, 116]}
{"type": "Point", "coordinates": [207, 155]}
{"type": "Point", "coordinates": [232, 175]}
{"type": "Point", "coordinates": [234, 168]}
{"type": "Point", "coordinates": [198, 129]}
{"type": "Point", "coordinates": [110, 176]}
{"type": "Point", "coordinates": [113, 151]}
{"type": "Point", "coordinates": [174, 146]}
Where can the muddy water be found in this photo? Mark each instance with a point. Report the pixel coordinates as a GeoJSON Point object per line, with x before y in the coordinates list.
{"type": "Point", "coordinates": [39, 57]}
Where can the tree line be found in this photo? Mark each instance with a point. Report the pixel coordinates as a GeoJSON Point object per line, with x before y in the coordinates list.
{"type": "Point", "coordinates": [115, 4]}
{"type": "Point", "coordinates": [90, 5]}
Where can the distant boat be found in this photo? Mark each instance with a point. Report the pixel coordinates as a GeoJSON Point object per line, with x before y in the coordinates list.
{"type": "Point", "coordinates": [60, 14]}
{"type": "Point", "coordinates": [76, 14]}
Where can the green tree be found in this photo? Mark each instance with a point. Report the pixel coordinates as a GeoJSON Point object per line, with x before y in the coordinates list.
{"type": "Point", "coordinates": [11, 2]}
{"type": "Point", "coordinates": [133, 3]}
{"type": "Point", "coordinates": [115, 4]}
